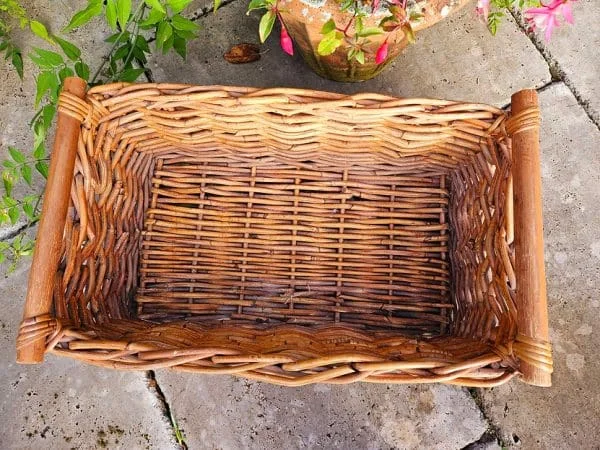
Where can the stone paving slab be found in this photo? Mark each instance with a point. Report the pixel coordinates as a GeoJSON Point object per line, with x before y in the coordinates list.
{"type": "Point", "coordinates": [457, 59]}
{"type": "Point", "coordinates": [576, 49]}
{"type": "Point", "coordinates": [17, 97]}
{"type": "Point", "coordinates": [567, 414]}
{"type": "Point", "coordinates": [233, 413]}
{"type": "Point", "coordinates": [65, 404]}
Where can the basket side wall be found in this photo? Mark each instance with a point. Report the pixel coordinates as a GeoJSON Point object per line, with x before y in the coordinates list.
{"type": "Point", "coordinates": [482, 250]}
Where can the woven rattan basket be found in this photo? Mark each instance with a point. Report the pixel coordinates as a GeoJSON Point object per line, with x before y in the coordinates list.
{"type": "Point", "coordinates": [292, 236]}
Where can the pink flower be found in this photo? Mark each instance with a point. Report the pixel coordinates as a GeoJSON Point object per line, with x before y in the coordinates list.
{"type": "Point", "coordinates": [286, 41]}
{"type": "Point", "coordinates": [483, 8]}
{"type": "Point", "coordinates": [546, 16]}
{"type": "Point", "coordinates": [382, 52]}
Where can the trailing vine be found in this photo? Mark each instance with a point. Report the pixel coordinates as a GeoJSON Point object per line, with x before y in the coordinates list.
{"type": "Point", "coordinates": [139, 28]}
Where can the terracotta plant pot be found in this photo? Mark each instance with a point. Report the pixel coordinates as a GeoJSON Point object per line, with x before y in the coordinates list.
{"type": "Point", "coordinates": [304, 20]}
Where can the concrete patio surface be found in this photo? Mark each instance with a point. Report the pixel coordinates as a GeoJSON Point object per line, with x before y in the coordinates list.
{"type": "Point", "coordinates": [66, 404]}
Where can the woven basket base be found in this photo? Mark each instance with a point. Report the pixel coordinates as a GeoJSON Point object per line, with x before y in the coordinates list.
{"type": "Point", "coordinates": [266, 242]}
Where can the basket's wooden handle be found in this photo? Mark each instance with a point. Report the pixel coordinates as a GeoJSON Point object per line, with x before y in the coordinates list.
{"type": "Point", "coordinates": [531, 346]}
{"type": "Point", "coordinates": [52, 222]}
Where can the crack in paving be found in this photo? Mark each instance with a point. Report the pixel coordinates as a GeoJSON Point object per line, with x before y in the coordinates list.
{"type": "Point", "coordinates": [492, 434]}
{"type": "Point", "coordinates": [556, 70]}
{"type": "Point", "coordinates": [488, 437]}
{"type": "Point", "coordinates": [203, 12]}
{"type": "Point", "coordinates": [10, 235]}
{"type": "Point", "coordinates": [542, 88]}
{"type": "Point", "coordinates": [164, 406]}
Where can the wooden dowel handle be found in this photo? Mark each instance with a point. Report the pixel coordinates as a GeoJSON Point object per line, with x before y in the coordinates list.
{"type": "Point", "coordinates": [532, 343]}
{"type": "Point", "coordinates": [52, 222]}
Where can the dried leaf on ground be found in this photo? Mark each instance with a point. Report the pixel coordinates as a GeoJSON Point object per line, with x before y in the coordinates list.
{"type": "Point", "coordinates": [242, 53]}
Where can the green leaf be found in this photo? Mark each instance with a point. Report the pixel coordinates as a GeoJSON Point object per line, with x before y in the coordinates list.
{"type": "Point", "coordinates": [16, 243]}
{"type": "Point", "coordinates": [48, 112]}
{"type": "Point", "coordinates": [216, 5]}
{"type": "Point", "coordinates": [142, 43]}
{"type": "Point", "coordinates": [408, 31]}
{"type": "Point", "coordinates": [39, 29]}
{"type": "Point", "coordinates": [358, 24]}
{"type": "Point", "coordinates": [360, 56]}
{"type": "Point", "coordinates": [8, 180]}
{"type": "Point", "coordinates": [70, 50]}
{"type": "Point", "coordinates": [494, 20]}
{"type": "Point", "coordinates": [415, 16]}
{"type": "Point", "coordinates": [121, 52]}
{"type": "Point", "coordinates": [123, 36]}
{"type": "Point", "coordinates": [155, 4]}
{"type": "Point", "coordinates": [39, 150]}
{"type": "Point", "coordinates": [42, 168]}
{"type": "Point", "coordinates": [330, 42]}
{"type": "Point", "coordinates": [187, 35]}
{"type": "Point", "coordinates": [123, 12]}
{"type": "Point", "coordinates": [328, 26]}
{"type": "Point", "coordinates": [111, 14]}
{"type": "Point", "coordinates": [369, 31]}
{"type": "Point", "coordinates": [26, 247]}
{"type": "Point", "coordinates": [13, 213]}
{"type": "Point", "coordinates": [45, 81]}
{"type": "Point", "coordinates": [46, 59]}
{"type": "Point", "coordinates": [93, 9]}
{"type": "Point", "coordinates": [9, 201]}
{"type": "Point", "coordinates": [139, 55]}
{"type": "Point", "coordinates": [26, 174]}
{"type": "Point", "coordinates": [17, 62]}
{"type": "Point", "coordinates": [163, 33]}
{"type": "Point", "coordinates": [266, 25]}
{"type": "Point", "coordinates": [168, 44]}
{"type": "Point", "coordinates": [256, 4]}
{"type": "Point", "coordinates": [180, 46]}
{"type": "Point", "coordinates": [178, 5]}
{"type": "Point", "coordinates": [82, 70]}
{"type": "Point", "coordinates": [153, 18]}
{"type": "Point", "coordinates": [181, 23]}
{"type": "Point", "coordinates": [130, 74]}
{"type": "Point", "coordinates": [3, 217]}
{"type": "Point", "coordinates": [64, 73]}
{"type": "Point", "coordinates": [17, 155]}
{"type": "Point", "coordinates": [28, 210]}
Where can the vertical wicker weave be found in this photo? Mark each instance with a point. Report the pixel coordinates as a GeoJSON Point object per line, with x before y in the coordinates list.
{"type": "Point", "coordinates": [292, 236]}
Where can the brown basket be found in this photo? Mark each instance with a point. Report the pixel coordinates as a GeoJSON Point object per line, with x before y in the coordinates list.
{"type": "Point", "coordinates": [292, 236]}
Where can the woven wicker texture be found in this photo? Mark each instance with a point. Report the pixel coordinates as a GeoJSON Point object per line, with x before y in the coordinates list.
{"type": "Point", "coordinates": [290, 236]}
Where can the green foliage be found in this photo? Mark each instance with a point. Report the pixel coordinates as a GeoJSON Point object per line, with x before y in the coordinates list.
{"type": "Point", "coordinates": [93, 9]}
{"type": "Point", "coordinates": [177, 431]}
{"type": "Point", "coordinates": [266, 25]}
{"type": "Point", "coordinates": [330, 42]}
{"type": "Point", "coordinates": [498, 8]}
{"type": "Point", "coordinates": [11, 14]}
{"type": "Point", "coordinates": [135, 23]}
{"type": "Point", "coordinates": [354, 34]}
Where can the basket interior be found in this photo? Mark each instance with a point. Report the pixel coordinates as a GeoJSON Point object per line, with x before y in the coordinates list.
{"type": "Point", "coordinates": [263, 241]}
{"type": "Point", "coordinates": [215, 210]}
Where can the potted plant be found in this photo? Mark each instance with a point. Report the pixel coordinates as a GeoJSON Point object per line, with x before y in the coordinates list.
{"type": "Point", "coordinates": [354, 40]}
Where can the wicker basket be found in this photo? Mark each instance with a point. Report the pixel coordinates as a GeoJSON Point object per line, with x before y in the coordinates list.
{"type": "Point", "coordinates": [292, 236]}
